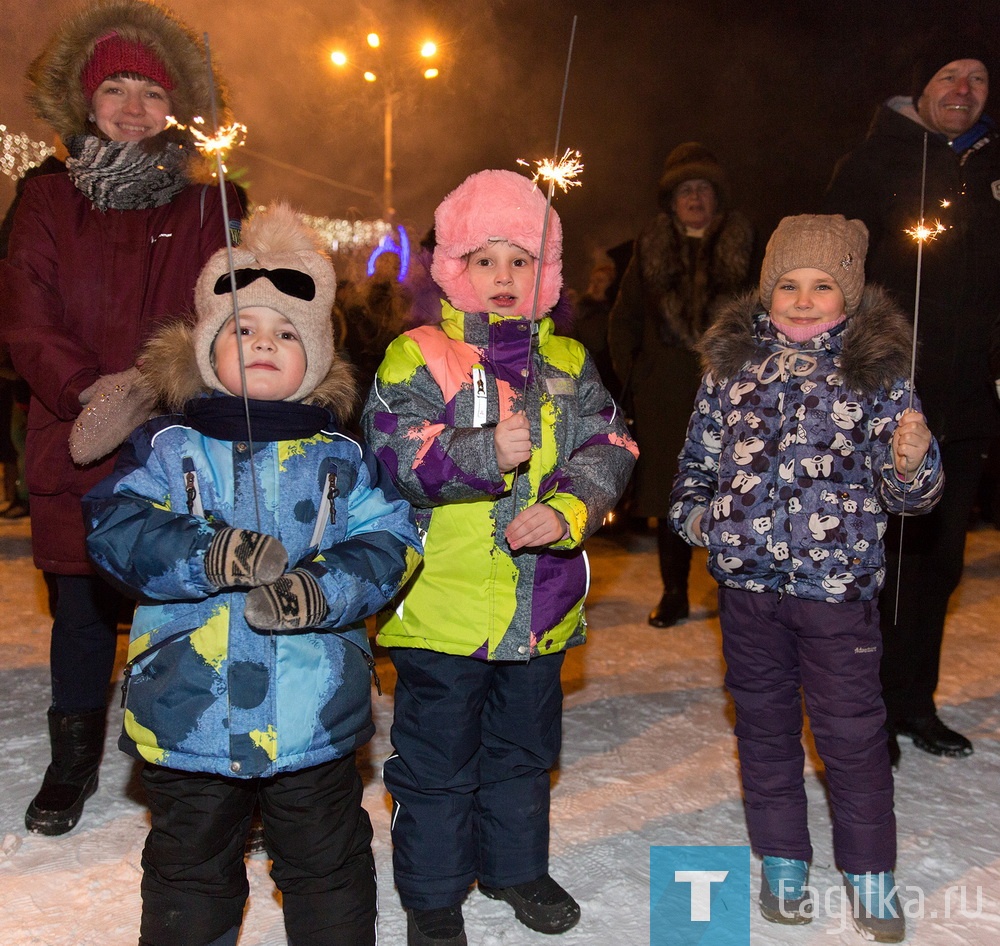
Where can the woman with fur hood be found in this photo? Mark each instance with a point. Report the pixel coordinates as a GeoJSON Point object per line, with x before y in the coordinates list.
{"type": "Point", "coordinates": [99, 252]}
{"type": "Point", "coordinates": [800, 444]}
{"type": "Point", "coordinates": [695, 251]}
{"type": "Point", "coordinates": [256, 559]}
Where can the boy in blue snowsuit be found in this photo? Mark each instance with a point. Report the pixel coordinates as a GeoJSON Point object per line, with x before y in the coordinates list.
{"type": "Point", "coordinates": [256, 558]}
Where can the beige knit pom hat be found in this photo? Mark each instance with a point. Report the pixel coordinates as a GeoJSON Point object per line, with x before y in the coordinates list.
{"type": "Point", "coordinates": [279, 264]}
{"type": "Point", "coordinates": [830, 243]}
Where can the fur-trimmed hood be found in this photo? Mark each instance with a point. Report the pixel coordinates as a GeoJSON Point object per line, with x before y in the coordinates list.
{"type": "Point", "coordinates": [875, 343]}
{"type": "Point", "coordinates": [57, 94]}
{"type": "Point", "coordinates": [170, 372]}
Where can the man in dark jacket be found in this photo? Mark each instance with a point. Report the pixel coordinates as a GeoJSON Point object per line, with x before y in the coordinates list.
{"type": "Point", "coordinates": [883, 182]}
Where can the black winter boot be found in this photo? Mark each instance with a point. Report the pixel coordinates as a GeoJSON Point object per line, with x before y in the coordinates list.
{"type": "Point", "coordinates": [541, 905]}
{"type": "Point", "coordinates": [673, 607]}
{"type": "Point", "coordinates": [71, 778]}
{"type": "Point", "coordinates": [675, 564]}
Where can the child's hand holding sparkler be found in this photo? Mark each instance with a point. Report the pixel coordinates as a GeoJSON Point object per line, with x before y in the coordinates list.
{"type": "Point", "coordinates": [534, 527]}
{"type": "Point", "coordinates": [910, 444]}
{"type": "Point", "coordinates": [512, 439]}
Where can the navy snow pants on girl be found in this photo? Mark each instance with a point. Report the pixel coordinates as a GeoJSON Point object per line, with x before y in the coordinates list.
{"type": "Point", "coordinates": [473, 744]}
{"type": "Point", "coordinates": [773, 645]}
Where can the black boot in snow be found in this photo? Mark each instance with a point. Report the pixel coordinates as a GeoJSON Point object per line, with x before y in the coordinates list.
{"type": "Point", "coordinates": [77, 744]}
{"type": "Point", "coordinates": [541, 905]}
{"type": "Point", "coordinates": [673, 607]}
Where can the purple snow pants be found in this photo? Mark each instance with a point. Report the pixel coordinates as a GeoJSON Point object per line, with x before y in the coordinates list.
{"type": "Point", "coordinates": [773, 645]}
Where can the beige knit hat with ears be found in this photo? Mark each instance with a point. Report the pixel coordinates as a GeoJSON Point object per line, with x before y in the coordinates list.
{"type": "Point", "coordinates": [830, 243]}
{"type": "Point", "coordinates": [279, 264]}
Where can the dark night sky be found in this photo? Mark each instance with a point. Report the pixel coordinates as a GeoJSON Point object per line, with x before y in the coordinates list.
{"type": "Point", "coordinates": [778, 89]}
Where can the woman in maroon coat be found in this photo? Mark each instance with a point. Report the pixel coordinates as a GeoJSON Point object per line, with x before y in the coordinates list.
{"type": "Point", "coordinates": [99, 252]}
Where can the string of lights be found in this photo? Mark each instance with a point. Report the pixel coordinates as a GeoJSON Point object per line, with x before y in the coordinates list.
{"type": "Point", "coordinates": [18, 152]}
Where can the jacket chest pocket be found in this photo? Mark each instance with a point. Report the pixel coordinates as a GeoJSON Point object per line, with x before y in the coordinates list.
{"type": "Point", "coordinates": [334, 484]}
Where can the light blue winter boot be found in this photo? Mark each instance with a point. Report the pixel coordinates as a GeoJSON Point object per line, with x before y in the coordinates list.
{"type": "Point", "coordinates": [875, 907]}
{"type": "Point", "coordinates": [784, 896]}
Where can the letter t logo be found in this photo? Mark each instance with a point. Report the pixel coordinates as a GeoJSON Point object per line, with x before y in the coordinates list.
{"type": "Point", "coordinates": [701, 890]}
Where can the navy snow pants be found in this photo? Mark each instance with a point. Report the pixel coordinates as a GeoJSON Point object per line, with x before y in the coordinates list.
{"type": "Point", "coordinates": [473, 744]}
{"type": "Point", "coordinates": [194, 884]}
{"type": "Point", "coordinates": [773, 645]}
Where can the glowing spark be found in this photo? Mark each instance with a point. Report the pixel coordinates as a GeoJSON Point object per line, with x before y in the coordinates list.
{"type": "Point", "coordinates": [223, 141]}
{"type": "Point", "coordinates": [562, 173]}
{"type": "Point", "coordinates": [924, 233]}
{"type": "Point", "coordinates": [945, 202]}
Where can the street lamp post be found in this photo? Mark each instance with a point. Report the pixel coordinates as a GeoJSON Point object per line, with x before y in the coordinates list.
{"type": "Point", "coordinates": [387, 203]}
{"type": "Point", "coordinates": [387, 78]}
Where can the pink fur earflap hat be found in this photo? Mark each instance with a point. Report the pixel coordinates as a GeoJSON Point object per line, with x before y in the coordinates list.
{"type": "Point", "coordinates": [493, 206]}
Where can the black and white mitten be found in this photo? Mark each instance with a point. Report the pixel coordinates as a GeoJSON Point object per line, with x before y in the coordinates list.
{"type": "Point", "coordinates": [239, 558]}
{"type": "Point", "coordinates": [294, 602]}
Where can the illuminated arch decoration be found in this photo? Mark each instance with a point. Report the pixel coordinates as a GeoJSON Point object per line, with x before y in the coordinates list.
{"type": "Point", "coordinates": [389, 245]}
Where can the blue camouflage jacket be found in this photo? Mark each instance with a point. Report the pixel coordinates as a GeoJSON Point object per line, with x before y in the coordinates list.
{"type": "Point", "coordinates": [787, 467]}
{"type": "Point", "coordinates": [203, 690]}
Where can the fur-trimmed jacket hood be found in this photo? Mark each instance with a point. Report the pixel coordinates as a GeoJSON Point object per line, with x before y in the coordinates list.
{"type": "Point", "coordinates": [166, 378]}
{"type": "Point", "coordinates": [787, 472]}
{"type": "Point", "coordinates": [57, 94]}
{"type": "Point", "coordinates": [170, 372]}
{"type": "Point", "coordinates": [873, 347]}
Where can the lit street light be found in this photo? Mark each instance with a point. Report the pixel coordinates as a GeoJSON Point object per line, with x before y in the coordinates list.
{"type": "Point", "coordinates": [386, 76]}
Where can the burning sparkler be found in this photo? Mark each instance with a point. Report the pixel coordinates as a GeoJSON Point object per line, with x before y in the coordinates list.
{"type": "Point", "coordinates": [218, 144]}
{"type": "Point", "coordinates": [923, 232]}
{"type": "Point", "coordinates": [561, 173]}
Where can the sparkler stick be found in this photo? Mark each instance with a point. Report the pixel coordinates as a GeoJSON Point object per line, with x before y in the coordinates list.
{"type": "Point", "coordinates": [563, 172]}
{"type": "Point", "coordinates": [553, 172]}
{"type": "Point", "coordinates": [920, 233]}
{"type": "Point", "coordinates": [221, 171]}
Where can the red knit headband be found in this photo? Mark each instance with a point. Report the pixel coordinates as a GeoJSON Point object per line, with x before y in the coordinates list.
{"type": "Point", "coordinates": [112, 55]}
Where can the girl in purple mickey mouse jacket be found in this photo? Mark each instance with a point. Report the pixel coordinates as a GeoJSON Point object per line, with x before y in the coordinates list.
{"type": "Point", "coordinates": [803, 437]}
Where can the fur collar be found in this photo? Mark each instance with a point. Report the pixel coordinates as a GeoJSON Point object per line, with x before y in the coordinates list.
{"type": "Point", "coordinates": [683, 280]}
{"type": "Point", "coordinates": [875, 343]}
{"type": "Point", "coordinates": [170, 370]}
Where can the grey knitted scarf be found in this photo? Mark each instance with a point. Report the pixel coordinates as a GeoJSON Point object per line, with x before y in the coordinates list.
{"type": "Point", "coordinates": [124, 175]}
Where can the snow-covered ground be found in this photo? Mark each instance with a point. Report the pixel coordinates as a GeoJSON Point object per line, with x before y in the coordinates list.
{"type": "Point", "coordinates": [648, 759]}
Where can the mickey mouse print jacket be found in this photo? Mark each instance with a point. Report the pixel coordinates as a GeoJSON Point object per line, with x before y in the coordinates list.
{"type": "Point", "coordinates": [788, 465]}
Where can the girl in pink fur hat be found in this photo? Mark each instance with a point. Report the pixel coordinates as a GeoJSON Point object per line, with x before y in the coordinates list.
{"type": "Point", "coordinates": [502, 436]}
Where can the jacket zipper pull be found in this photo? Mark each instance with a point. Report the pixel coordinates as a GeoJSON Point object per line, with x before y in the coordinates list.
{"type": "Point", "coordinates": [192, 491]}
{"type": "Point", "coordinates": [480, 399]}
{"type": "Point", "coordinates": [331, 494]}
{"type": "Point", "coordinates": [126, 676]}
{"type": "Point", "coordinates": [371, 666]}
